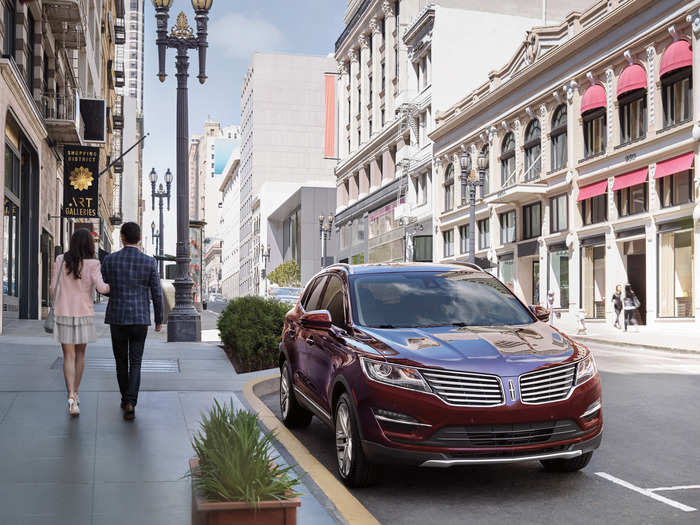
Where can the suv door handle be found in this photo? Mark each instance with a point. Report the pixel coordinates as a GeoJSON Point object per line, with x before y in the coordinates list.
{"type": "Point", "coordinates": [310, 340]}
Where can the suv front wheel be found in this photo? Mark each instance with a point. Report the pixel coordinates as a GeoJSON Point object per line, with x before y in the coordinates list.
{"type": "Point", "coordinates": [293, 414]}
{"type": "Point", "coordinates": [353, 467]}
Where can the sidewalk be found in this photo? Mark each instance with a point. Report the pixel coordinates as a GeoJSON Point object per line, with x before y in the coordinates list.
{"type": "Point", "coordinates": [674, 338]}
{"type": "Point", "coordinates": [98, 469]}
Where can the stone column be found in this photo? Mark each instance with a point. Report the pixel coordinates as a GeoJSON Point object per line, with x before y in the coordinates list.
{"type": "Point", "coordinates": [364, 82]}
{"type": "Point", "coordinates": [342, 98]}
{"type": "Point", "coordinates": [375, 178]}
{"type": "Point", "coordinates": [694, 19]}
{"type": "Point", "coordinates": [519, 152]}
{"type": "Point", "coordinates": [389, 60]}
{"type": "Point", "coordinates": [376, 44]}
{"type": "Point", "coordinates": [354, 79]}
{"type": "Point", "coordinates": [364, 182]}
{"type": "Point", "coordinates": [354, 189]}
{"type": "Point", "coordinates": [388, 166]}
{"type": "Point", "coordinates": [612, 123]}
{"type": "Point", "coordinates": [652, 122]}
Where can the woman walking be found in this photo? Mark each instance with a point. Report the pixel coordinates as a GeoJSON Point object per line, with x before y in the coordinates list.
{"type": "Point", "coordinates": [617, 304]}
{"type": "Point", "coordinates": [76, 274]}
{"type": "Point", "coordinates": [631, 303]}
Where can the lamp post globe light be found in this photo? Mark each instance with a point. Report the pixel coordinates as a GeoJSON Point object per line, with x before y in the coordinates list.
{"type": "Point", "coordinates": [184, 323]}
{"type": "Point", "coordinates": [472, 180]}
{"type": "Point", "coordinates": [160, 195]}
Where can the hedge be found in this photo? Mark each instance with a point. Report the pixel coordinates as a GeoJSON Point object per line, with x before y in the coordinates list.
{"type": "Point", "coordinates": [251, 328]}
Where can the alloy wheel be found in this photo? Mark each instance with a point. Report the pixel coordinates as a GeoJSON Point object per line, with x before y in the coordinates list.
{"type": "Point", "coordinates": [343, 439]}
{"type": "Point", "coordinates": [284, 392]}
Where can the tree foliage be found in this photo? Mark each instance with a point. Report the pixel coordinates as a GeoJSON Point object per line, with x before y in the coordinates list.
{"type": "Point", "coordinates": [286, 274]}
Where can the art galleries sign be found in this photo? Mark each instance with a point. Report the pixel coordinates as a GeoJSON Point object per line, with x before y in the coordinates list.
{"type": "Point", "coordinates": [81, 165]}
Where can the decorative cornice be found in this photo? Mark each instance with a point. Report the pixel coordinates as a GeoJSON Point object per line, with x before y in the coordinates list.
{"type": "Point", "coordinates": [651, 85]}
{"type": "Point", "coordinates": [374, 26]}
{"type": "Point", "coordinates": [694, 20]}
{"type": "Point", "coordinates": [388, 8]}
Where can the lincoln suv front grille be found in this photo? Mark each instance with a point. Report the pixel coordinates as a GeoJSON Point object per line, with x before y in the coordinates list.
{"type": "Point", "coordinates": [547, 385]}
{"type": "Point", "coordinates": [465, 389]}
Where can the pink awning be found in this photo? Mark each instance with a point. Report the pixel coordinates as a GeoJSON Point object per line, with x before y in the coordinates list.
{"type": "Point", "coordinates": [592, 190]}
{"type": "Point", "coordinates": [676, 56]}
{"type": "Point", "coordinates": [593, 98]}
{"type": "Point", "coordinates": [630, 179]}
{"type": "Point", "coordinates": [675, 165]}
{"type": "Point", "coordinates": [633, 77]}
{"type": "Point", "coordinates": [329, 135]}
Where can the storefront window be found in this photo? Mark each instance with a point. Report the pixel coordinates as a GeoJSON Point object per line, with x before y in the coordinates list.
{"type": "Point", "coordinates": [507, 221]}
{"type": "Point", "coordinates": [344, 235]}
{"type": "Point", "coordinates": [559, 277]}
{"type": "Point", "coordinates": [358, 258]}
{"type": "Point", "coordinates": [593, 281]}
{"type": "Point", "coordinates": [595, 209]}
{"type": "Point", "coordinates": [423, 248]}
{"type": "Point", "coordinates": [392, 251]}
{"type": "Point", "coordinates": [676, 274]}
{"type": "Point", "coordinates": [11, 249]}
{"type": "Point", "coordinates": [506, 271]}
{"type": "Point", "coordinates": [632, 200]}
{"type": "Point", "coordinates": [675, 189]}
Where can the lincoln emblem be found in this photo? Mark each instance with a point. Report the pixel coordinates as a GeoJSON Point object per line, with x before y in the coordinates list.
{"type": "Point", "coordinates": [511, 389]}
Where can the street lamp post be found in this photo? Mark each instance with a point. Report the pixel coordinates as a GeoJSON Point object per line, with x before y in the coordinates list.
{"type": "Point", "coordinates": [472, 180]}
{"type": "Point", "coordinates": [325, 227]}
{"type": "Point", "coordinates": [265, 253]}
{"type": "Point", "coordinates": [160, 195]}
{"type": "Point", "coordinates": [155, 235]}
{"type": "Point", "coordinates": [184, 323]}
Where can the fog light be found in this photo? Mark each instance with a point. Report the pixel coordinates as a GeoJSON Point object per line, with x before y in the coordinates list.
{"type": "Point", "coordinates": [592, 410]}
{"type": "Point", "coordinates": [394, 417]}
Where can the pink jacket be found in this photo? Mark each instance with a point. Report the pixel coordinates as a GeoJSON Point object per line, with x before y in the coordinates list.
{"type": "Point", "coordinates": [75, 295]}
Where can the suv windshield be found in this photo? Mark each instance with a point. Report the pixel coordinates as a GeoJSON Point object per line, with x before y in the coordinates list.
{"type": "Point", "coordinates": [422, 299]}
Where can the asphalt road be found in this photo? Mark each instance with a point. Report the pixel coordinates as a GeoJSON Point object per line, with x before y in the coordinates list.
{"type": "Point", "coordinates": [651, 440]}
{"type": "Point", "coordinates": [217, 306]}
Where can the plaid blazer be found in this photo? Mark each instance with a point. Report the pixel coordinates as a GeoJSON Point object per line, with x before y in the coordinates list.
{"type": "Point", "coordinates": [132, 276]}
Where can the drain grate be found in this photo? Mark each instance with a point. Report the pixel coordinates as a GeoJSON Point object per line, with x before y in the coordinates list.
{"type": "Point", "coordinates": [147, 365]}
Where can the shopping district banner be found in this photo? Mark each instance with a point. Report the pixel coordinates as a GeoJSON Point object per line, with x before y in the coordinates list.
{"type": "Point", "coordinates": [81, 166]}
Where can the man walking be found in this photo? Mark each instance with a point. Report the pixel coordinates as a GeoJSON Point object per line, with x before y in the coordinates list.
{"type": "Point", "coordinates": [132, 276]}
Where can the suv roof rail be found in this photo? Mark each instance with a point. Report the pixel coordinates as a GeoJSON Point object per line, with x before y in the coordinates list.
{"type": "Point", "coordinates": [345, 266]}
{"type": "Point", "coordinates": [473, 266]}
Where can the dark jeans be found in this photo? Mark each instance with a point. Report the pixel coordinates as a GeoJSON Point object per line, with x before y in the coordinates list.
{"type": "Point", "coordinates": [127, 345]}
{"type": "Point", "coordinates": [630, 318]}
{"type": "Point", "coordinates": [617, 316]}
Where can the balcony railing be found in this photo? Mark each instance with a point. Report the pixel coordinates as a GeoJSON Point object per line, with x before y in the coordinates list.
{"type": "Point", "coordinates": [67, 19]}
{"type": "Point", "coordinates": [119, 77]}
{"type": "Point", "coordinates": [63, 120]}
{"type": "Point", "coordinates": [119, 32]}
{"type": "Point", "coordinates": [118, 113]}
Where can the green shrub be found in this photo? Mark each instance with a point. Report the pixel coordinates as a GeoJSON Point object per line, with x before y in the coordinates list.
{"type": "Point", "coordinates": [235, 462]}
{"type": "Point", "coordinates": [250, 329]}
{"type": "Point", "coordinates": [286, 274]}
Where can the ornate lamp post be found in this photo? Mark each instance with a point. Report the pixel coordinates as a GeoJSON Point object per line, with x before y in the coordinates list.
{"type": "Point", "coordinates": [160, 195]}
{"type": "Point", "coordinates": [155, 235]}
{"type": "Point", "coordinates": [184, 323]}
{"type": "Point", "coordinates": [325, 227]}
{"type": "Point", "coordinates": [470, 178]}
{"type": "Point", "coordinates": [265, 254]}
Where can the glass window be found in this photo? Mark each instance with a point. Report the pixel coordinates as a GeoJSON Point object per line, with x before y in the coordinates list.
{"type": "Point", "coordinates": [484, 234]}
{"type": "Point", "coordinates": [448, 243]}
{"type": "Point", "coordinates": [334, 301]}
{"type": "Point", "coordinates": [595, 209]}
{"type": "Point", "coordinates": [508, 160]}
{"type": "Point", "coordinates": [423, 248]}
{"type": "Point", "coordinates": [633, 115]}
{"type": "Point", "coordinates": [594, 130]}
{"type": "Point", "coordinates": [11, 271]}
{"type": "Point", "coordinates": [533, 151]}
{"type": "Point", "coordinates": [507, 221]}
{"type": "Point", "coordinates": [677, 89]}
{"type": "Point", "coordinates": [506, 271]}
{"type": "Point", "coordinates": [485, 189]}
{"type": "Point", "coordinates": [558, 136]}
{"type": "Point", "coordinates": [559, 213]}
{"type": "Point", "coordinates": [29, 51]}
{"type": "Point", "coordinates": [449, 187]}
{"type": "Point", "coordinates": [593, 281]}
{"type": "Point", "coordinates": [559, 277]}
{"type": "Point", "coordinates": [632, 200]}
{"type": "Point", "coordinates": [464, 239]}
{"type": "Point", "coordinates": [424, 299]}
{"type": "Point", "coordinates": [312, 299]}
{"type": "Point", "coordinates": [10, 21]}
{"type": "Point", "coordinates": [532, 220]}
{"type": "Point", "coordinates": [675, 190]}
{"type": "Point", "coordinates": [676, 274]}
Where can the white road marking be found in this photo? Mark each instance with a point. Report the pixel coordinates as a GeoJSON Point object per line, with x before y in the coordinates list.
{"type": "Point", "coordinates": [677, 487]}
{"type": "Point", "coordinates": [646, 492]}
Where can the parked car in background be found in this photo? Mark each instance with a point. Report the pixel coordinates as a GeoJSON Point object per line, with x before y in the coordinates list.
{"type": "Point", "coordinates": [435, 365]}
{"type": "Point", "coordinates": [285, 294]}
{"type": "Point", "coordinates": [217, 298]}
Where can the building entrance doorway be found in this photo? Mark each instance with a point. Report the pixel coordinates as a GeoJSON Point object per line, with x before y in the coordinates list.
{"type": "Point", "coordinates": [635, 264]}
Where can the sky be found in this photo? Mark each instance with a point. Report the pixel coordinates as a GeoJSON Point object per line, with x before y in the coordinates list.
{"type": "Point", "coordinates": [237, 29]}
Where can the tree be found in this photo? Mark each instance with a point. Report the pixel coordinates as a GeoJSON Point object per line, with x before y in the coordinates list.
{"type": "Point", "coordinates": [286, 274]}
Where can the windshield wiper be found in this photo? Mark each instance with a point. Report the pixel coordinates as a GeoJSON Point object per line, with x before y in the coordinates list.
{"type": "Point", "coordinates": [385, 326]}
{"type": "Point", "coordinates": [460, 324]}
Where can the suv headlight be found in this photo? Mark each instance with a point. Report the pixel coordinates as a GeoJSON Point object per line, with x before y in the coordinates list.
{"type": "Point", "coordinates": [585, 369]}
{"type": "Point", "coordinates": [395, 375]}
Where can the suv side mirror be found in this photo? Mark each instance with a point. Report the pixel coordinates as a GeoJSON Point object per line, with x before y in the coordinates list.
{"type": "Point", "coordinates": [540, 312]}
{"type": "Point", "coordinates": [317, 319]}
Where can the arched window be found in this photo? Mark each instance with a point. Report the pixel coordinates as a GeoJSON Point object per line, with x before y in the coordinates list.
{"type": "Point", "coordinates": [594, 120]}
{"type": "Point", "coordinates": [449, 187]}
{"type": "Point", "coordinates": [508, 160]}
{"type": "Point", "coordinates": [485, 189]}
{"type": "Point", "coordinates": [676, 83]}
{"type": "Point", "coordinates": [632, 99]}
{"type": "Point", "coordinates": [558, 135]}
{"type": "Point", "coordinates": [533, 151]}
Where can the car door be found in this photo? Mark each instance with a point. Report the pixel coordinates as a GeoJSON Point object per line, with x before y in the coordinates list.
{"type": "Point", "coordinates": [311, 302]}
{"type": "Point", "coordinates": [325, 351]}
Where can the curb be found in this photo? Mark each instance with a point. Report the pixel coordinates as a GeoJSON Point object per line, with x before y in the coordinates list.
{"type": "Point", "coordinates": [667, 349]}
{"type": "Point", "coordinates": [348, 506]}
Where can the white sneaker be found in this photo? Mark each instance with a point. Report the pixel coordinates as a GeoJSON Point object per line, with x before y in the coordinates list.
{"type": "Point", "coordinates": [73, 408]}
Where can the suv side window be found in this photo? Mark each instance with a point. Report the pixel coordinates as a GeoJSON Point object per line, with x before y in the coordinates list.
{"type": "Point", "coordinates": [334, 301]}
{"type": "Point", "coordinates": [313, 297]}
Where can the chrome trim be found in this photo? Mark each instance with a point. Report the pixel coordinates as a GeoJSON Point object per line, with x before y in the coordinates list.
{"type": "Point", "coordinates": [592, 410]}
{"type": "Point", "coordinates": [313, 403]}
{"type": "Point", "coordinates": [456, 374]}
{"type": "Point", "coordinates": [548, 373]}
{"type": "Point", "coordinates": [443, 463]}
{"type": "Point", "coordinates": [390, 420]}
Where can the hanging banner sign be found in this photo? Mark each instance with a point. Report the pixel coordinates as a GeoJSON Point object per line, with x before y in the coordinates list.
{"type": "Point", "coordinates": [81, 166]}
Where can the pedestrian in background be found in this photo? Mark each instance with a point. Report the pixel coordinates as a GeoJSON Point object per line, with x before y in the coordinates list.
{"type": "Point", "coordinates": [76, 275]}
{"type": "Point", "coordinates": [617, 304]}
{"type": "Point", "coordinates": [550, 306]}
{"type": "Point", "coordinates": [631, 304]}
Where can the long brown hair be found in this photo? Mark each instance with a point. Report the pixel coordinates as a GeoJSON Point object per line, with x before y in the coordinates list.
{"type": "Point", "coordinates": [81, 247]}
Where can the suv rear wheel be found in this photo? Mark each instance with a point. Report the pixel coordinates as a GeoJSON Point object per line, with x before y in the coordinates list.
{"type": "Point", "coordinates": [293, 414]}
{"type": "Point", "coordinates": [354, 468]}
{"type": "Point", "coordinates": [567, 465]}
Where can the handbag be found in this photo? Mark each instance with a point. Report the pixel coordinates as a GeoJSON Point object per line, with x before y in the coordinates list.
{"type": "Point", "coordinates": [51, 318]}
{"type": "Point", "coordinates": [637, 304]}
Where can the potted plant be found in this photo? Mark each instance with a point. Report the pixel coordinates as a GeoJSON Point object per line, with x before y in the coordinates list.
{"type": "Point", "coordinates": [234, 478]}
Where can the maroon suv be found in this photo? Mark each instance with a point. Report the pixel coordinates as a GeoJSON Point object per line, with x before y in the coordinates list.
{"type": "Point", "coordinates": [435, 365]}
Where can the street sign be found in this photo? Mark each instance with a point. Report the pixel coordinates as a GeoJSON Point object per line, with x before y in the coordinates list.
{"type": "Point", "coordinates": [81, 165]}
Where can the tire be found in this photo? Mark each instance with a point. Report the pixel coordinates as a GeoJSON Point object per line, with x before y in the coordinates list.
{"type": "Point", "coordinates": [293, 414]}
{"type": "Point", "coordinates": [353, 467]}
{"type": "Point", "coordinates": [567, 465]}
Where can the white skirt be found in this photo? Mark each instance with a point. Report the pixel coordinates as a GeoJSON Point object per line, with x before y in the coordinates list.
{"type": "Point", "coordinates": [74, 330]}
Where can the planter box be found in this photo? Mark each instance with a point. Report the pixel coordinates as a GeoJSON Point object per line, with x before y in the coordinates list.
{"type": "Point", "coordinates": [283, 512]}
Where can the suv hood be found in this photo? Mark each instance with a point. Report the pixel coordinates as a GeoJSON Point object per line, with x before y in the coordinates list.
{"type": "Point", "coordinates": [500, 350]}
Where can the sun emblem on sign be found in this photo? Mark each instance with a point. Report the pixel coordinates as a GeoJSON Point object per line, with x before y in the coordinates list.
{"type": "Point", "coordinates": [81, 178]}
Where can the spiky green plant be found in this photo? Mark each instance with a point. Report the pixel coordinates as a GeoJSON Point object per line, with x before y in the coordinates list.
{"type": "Point", "coordinates": [235, 462]}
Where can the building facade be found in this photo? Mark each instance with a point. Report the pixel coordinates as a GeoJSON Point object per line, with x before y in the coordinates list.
{"type": "Point", "coordinates": [591, 131]}
{"type": "Point", "coordinates": [230, 195]}
{"type": "Point", "coordinates": [286, 137]}
{"type": "Point", "coordinates": [56, 81]}
{"type": "Point", "coordinates": [398, 66]}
